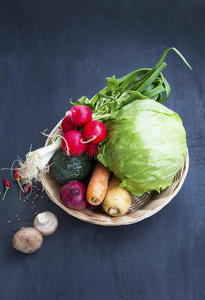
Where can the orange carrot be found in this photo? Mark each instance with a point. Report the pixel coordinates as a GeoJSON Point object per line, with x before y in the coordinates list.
{"type": "Point", "coordinates": [98, 184]}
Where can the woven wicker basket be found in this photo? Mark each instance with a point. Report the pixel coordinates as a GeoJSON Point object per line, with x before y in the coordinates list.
{"type": "Point", "coordinates": [141, 208]}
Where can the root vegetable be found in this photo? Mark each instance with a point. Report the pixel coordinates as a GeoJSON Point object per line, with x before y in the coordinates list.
{"type": "Point", "coordinates": [73, 194]}
{"type": "Point", "coordinates": [92, 150]}
{"type": "Point", "coordinates": [36, 162]}
{"type": "Point", "coordinates": [94, 131]}
{"type": "Point", "coordinates": [27, 240]}
{"type": "Point", "coordinates": [98, 184]}
{"type": "Point", "coordinates": [72, 143]}
{"type": "Point", "coordinates": [117, 200]}
{"type": "Point", "coordinates": [67, 125]}
{"type": "Point", "coordinates": [80, 115]}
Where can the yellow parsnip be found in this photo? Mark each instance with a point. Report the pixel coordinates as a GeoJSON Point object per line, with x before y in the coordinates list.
{"type": "Point", "coordinates": [117, 200]}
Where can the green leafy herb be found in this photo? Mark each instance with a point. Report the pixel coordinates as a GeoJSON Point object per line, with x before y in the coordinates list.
{"type": "Point", "coordinates": [143, 83]}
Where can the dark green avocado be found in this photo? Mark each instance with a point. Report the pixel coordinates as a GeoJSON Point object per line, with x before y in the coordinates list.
{"type": "Point", "coordinates": [64, 168]}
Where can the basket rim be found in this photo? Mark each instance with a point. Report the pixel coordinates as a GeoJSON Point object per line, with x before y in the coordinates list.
{"type": "Point", "coordinates": [75, 213]}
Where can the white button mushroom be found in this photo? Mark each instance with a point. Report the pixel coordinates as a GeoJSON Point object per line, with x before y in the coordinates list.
{"type": "Point", "coordinates": [27, 240]}
{"type": "Point", "coordinates": [46, 222]}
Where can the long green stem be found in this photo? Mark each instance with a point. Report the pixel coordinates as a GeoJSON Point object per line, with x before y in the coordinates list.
{"type": "Point", "coordinates": [7, 188]}
{"type": "Point", "coordinates": [177, 51]}
{"type": "Point", "coordinates": [148, 83]}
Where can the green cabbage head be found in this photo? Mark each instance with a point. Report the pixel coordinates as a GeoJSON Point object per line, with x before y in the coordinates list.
{"type": "Point", "coordinates": [145, 146]}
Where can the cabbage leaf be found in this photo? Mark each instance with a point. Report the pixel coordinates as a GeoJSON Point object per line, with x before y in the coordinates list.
{"type": "Point", "coordinates": [145, 146]}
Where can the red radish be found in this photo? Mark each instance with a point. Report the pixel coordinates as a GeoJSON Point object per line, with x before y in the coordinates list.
{"type": "Point", "coordinates": [95, 132]}
{"type": "Point", "coordinates": [72, 144]}
{"type": "Point", "coordinates": [80, 115]}
{"type": "Point", "coordinates": [92, 150]}
{"type": "Point", "coordinates": [73, 194]}
{"type": "Point", "coordinates": [67, 124]}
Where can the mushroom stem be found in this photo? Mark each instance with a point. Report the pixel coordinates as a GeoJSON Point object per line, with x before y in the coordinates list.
{"type": "Point", "coordinates": [43, 218]}
{"type": "Point", "coordinates": [46, 222]}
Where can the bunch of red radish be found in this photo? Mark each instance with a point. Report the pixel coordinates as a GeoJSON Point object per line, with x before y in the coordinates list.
{"type": "Point", "coordinates": [81, 133]}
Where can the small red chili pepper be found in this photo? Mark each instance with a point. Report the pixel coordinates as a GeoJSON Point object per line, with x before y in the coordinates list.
{"type": "Point", "coordinates": [17, 177]}
{"type": "Point", "coordinates": [16, 173]}
{"type": "Point", "coordinates": [28, 188]}
{"type": "Point", "coordinates": [7, 187]}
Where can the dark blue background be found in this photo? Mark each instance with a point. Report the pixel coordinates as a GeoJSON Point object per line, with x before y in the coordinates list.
{"type": "Point", "coordinates": [52, 51]}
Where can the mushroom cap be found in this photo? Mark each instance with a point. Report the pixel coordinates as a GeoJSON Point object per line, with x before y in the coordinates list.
{"type": "Point", "coordinates": [27, 240]}
{"type": "Point", "coordinates": [46, 222]}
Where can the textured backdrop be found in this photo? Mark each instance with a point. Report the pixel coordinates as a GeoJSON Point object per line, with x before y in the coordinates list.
{"type": "Point", "coordinates": [52, 51]}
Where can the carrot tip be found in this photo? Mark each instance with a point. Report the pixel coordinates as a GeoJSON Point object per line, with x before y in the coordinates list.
{"type": "Point", "coordinates": [94, 199]}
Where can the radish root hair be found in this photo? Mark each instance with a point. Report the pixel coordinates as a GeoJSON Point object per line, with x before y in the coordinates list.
{"type": "Point", "coordinates": [87, 141]}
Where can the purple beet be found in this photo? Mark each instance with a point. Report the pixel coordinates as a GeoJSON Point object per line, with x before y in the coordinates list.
{"type": "Point", "coordinates": [73, 194]}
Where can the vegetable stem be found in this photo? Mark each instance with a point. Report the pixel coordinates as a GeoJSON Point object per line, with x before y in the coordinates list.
{"type": "Point", "coordinates": [177, 51]}
{"type": "Point", "coordinates": [146, 82]}
{"type": "Point", "coordinates": [36, 162]}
